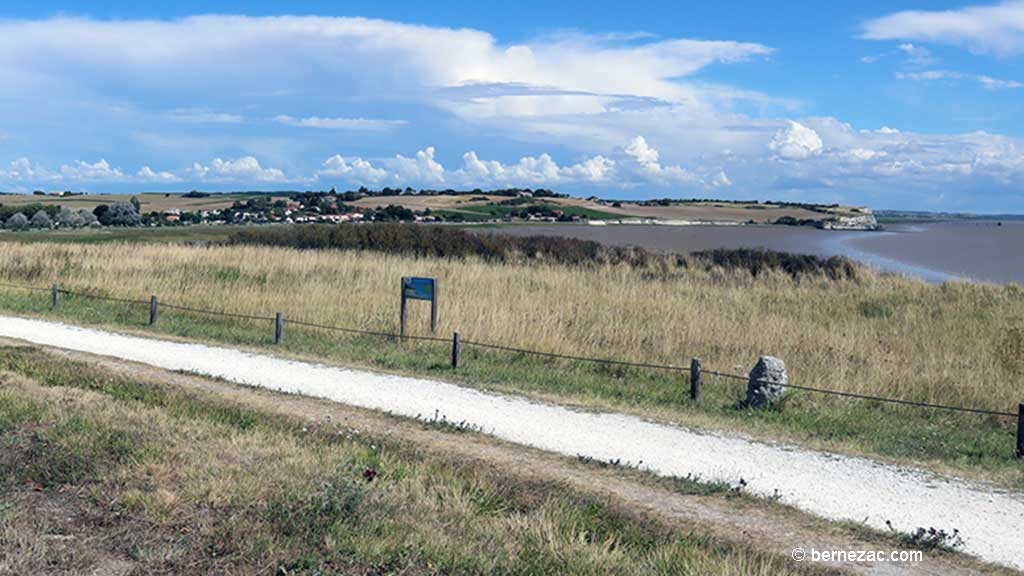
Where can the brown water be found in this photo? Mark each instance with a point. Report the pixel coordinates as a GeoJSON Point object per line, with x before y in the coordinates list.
{"type": "Point", "coordinates": [936, 252]}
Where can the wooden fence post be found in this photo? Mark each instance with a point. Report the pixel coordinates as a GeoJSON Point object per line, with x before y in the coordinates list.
{"type": "Point", "coordinates": [1020, 431]}
{"type": "Point", "coordinates": [153, 303]}
{"type": "Point", "coordinates": [56, 296]}
{"type": "Point", "coordinates": [695, 380]}
{"type": "Point", "coordinates": [433, 311]}
{"type": "Point", "coordinates": [403, 314]}
{"type": "Point", "coordinates": [279, 328]}
{"type": "Point", "coordinates": [456, 349]}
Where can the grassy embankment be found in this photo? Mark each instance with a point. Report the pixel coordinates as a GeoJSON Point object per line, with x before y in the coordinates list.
{"type": "Point", "coordinates": [956, 344]}
{"type": "Point", "coordinates": [100, 473]}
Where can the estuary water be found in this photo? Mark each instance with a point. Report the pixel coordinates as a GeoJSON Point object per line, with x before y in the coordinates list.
{"type": "Point", "coordinates": [980, 251]}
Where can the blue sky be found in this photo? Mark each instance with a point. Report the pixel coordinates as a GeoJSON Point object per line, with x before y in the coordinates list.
{"type": "Point", "coordinates": [909, 105]}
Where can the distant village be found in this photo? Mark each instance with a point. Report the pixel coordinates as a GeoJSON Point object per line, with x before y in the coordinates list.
{"type": "Point", "coordinates": [295, 207]}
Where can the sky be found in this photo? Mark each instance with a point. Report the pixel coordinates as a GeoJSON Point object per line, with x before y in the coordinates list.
{"type": "Point", "coordinates": [900, 105]}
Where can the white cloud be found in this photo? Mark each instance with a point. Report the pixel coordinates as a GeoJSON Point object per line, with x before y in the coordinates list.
{"type": "Point", "coordinates": [603, 87]}
{"type": "Point", "coordinates": [82, 171]}
{"type": "Point", "coordinates": [354, 170]}
{"type": "Point", "coordinates": [997, 84]}
{"type": "Point", "coordinates": [986, 82]}
{"type": "Point", "coordinates": [244, 169]}
{"type": "Point", "coordinates": [641, 152]}
{"type": "Point", "coordinates": [646, 161]}
{"type": "Point", "coordinates": [147, 174]}
{"type": "Point", "coordinates": [795, 142]}
{"type": "Point", "coordinates": [889, 163]}
{"type": "Point", "coordinates": [917, 55]}
{"type": "Point", "coordinates": [203, 116]}
{"type": "Point", "coordinates": [422, 168]}
{"type": "Point", "coordinates": [22, 169]}
{"type": "Point", "coordinates": [594, 170]}
{"type": "Point", "coordinates": [180, 54]}
{"type": "Point", "coordinates": [533, 171]}
{"type": "Point", "coordinates": [720, 180]}
{"type": "Point", "coordinates": [996, 28]}
{"type": "Point", "coordinates": [341, 123]}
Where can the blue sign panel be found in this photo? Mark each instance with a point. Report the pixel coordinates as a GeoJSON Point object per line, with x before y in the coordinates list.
{"type": "Point", "coordinates": [418, 288]}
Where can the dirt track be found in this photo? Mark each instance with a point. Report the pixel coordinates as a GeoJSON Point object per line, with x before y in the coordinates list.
{"type": "Point", "coordinates": [770, 528]}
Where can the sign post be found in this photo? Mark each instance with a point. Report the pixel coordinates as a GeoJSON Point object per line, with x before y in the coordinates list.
{"type": "Point", "coordinates": [414, 288]}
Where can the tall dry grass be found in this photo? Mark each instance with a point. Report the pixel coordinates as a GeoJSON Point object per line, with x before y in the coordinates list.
{"type": "Point", "coordinates": [957, 343]}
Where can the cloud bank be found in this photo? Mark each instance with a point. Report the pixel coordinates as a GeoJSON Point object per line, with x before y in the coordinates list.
{"type": "Point", "coordinates": [236, 101]}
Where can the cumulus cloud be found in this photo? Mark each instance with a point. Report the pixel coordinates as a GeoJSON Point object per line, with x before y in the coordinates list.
{"type": "Point", "coordinates": [888, 161]}
{"type": "Point", "coordinates": [244, 169]}
{"type": "Point", "coordinates": [147, 174]}
{"type": "Point", "coordinates": [534, 171]}
{"type": "Point", "coordinates": [795, 142]}
{"type": "Point", "coordinates": [646, 159]}
{"type": "Point", "coordinates": [22, 169]}
{"type": "Point", "coordinates": [354, 170]}
{"type": "Point", "coordinates": [637, 162]}
{"type": "Point", "coordinates": [340, 123]}
{"type": "Point", "coordinates": [422, 168]}
{"type": "Point", "coordinates": [83, 171]}
{"type": "Point", "coordinates": [996, 28]}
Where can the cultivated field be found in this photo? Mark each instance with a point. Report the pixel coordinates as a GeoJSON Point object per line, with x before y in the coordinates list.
{"type": "Point", "coordinates": [711, 211]}
{"type": "Point", "coordinates": [957, 344]}
{"type": "Point", "coordinates": [470, 205]}
{"type": "Point", "coordinates": [148, 201]}
{"type": "Point", "coordinates": [708, 210]}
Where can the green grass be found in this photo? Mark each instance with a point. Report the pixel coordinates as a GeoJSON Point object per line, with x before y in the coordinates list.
{"type": "Point", "coordinates": [207, 486]}
{"type": "Point", "coordinates": [980, 446]}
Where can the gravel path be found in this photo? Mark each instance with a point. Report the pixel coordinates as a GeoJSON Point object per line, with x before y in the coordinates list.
{"type": "Point", "coordinates": [839, 487]}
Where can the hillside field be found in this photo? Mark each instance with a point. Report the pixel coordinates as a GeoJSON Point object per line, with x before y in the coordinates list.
{"type": "Point", "coordinates": [472, 206]}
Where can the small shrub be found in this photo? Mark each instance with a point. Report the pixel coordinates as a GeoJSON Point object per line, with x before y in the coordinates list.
{"type": "Point", "coordinates": [41, 220]}
{"type": "Point", "coordinates": [931, 539]}
{"type": "Point", "coordinates": [757, 261]}
{"type": "Point", "coordinates": [120, 213]}
{"type": "Point", "coordinates": [17, 222]}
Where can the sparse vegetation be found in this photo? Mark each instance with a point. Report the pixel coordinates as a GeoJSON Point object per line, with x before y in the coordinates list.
{"type": "Point", "coordinates": [102, 473]}
{"type": "Point", "coordinates": [875, 335]}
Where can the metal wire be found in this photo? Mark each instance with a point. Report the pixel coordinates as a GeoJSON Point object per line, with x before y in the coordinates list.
{"type": "Point", "coordinates": [216, 313]}
{"type": "Point", "coordinates": [868, 397]}
{"type": "Point", "coordinates": [363, 332]}
{"type": "Point", "coordinates": [24, 287]}
{"type": "Point", "coordinates": [341, 329]}
{"type": "Point", "coordinates": [525, 351]}
{"type": "Point", "coordinates": [99, 297]}
{"type": "Point", "coordinates": [570, 357]}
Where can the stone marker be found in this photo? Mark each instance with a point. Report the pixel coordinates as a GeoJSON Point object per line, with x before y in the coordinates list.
{"type": "Point", "coordinates": [767, 382]}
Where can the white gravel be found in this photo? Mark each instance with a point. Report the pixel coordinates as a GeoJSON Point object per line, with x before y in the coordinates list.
{"type": "Point", "coordinates": [838, 487]}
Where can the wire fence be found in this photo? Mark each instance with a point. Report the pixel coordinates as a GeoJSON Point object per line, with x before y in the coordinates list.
{"type": "Point", "coordinates": [694, 369]}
